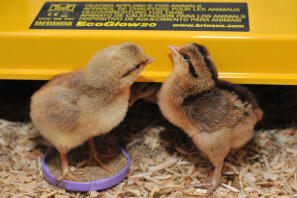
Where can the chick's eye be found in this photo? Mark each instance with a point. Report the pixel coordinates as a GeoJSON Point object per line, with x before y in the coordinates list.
{"type": "Point", "coordinates": [186, 57]}
{"type": "Point", "coordinates": [137, 66]}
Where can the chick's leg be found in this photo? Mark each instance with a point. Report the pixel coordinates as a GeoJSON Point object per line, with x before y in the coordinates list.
{"type": "Point", "coordinates": [93, 156]}
{"type": "Point", "coordinates": [216, 178]}
{"type": "Point", "coordinates": [216, 149]}
{"type": "Point", "coordinates": [66, 172]}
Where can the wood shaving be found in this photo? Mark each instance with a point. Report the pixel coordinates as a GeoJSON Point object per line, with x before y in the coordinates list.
{"type": "Point", "coordinates": [230, 187]}
{"type": "Point", "coordinates": [164, 165]}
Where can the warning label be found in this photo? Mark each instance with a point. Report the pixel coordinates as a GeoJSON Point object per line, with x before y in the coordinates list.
{"type": "Point", "coordinates": [191, 16]}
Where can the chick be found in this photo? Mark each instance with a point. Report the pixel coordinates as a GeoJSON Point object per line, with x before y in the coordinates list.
{"type": "Point", "coordinates": [74, 107]}
{"type": "Point", "coordinates": [216, 114]}
{"type": "Point", "coordinates": [145, 91]}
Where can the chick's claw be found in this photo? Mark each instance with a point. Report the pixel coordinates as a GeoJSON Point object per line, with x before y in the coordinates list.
{"type": "Point", "coordinates": [66, 172]}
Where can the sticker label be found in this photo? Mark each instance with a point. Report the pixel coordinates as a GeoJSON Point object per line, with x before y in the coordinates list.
{"type": "Point", "coordinates": [187, 16]}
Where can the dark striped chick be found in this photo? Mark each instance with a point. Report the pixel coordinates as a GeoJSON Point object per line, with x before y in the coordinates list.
{"type": "Point", "coordinates": [216, 114]}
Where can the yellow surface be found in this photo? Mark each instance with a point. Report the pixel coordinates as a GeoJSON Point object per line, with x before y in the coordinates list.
{"type": "Point", "coordinates": [267, 54]}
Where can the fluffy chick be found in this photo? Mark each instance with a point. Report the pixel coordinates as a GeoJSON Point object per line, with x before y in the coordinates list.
{"type": "Point", "coordinates": [74, 107]}
{"type": "Point", "coordinates": [216, 114]}
{"type": "Point", "coordinates": [145, 91]}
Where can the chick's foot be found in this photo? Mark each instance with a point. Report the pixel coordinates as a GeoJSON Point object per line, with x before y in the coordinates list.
{"type": "Point", "coordinates": [93, 157]}
{"type": "Point", "coordinates": [216, 179]}
{"type": "Point", "coordinates": [66, 172]}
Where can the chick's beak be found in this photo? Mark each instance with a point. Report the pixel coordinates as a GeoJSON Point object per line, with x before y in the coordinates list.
{"type": "Point", "coordinates": [174, 50]}
{"type": "Point", "coordinates": [131, 101]}
{"type": "Point", "coordinates": [148, 61]}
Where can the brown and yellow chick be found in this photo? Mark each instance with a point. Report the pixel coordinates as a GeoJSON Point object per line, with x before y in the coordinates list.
{"type": "Point", "coordinates": [74, 107]}
{"type": "Point", "coordinates": [216, 114]}
{"type": "Point", "coordinates": [145, 91]}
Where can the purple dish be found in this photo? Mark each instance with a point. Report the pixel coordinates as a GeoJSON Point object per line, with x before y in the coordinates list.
{"type": "Point", "coordinates": [100, 184]}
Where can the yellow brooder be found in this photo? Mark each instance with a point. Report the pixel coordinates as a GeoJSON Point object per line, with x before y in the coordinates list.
{"type": "Point", "coordinates": [251, 41]}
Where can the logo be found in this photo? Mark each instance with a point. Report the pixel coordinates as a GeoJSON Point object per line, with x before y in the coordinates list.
{"type": "Point", "coordinates": [65, 7]}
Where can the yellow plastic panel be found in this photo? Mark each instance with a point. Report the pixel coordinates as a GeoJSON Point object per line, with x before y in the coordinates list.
{"type": "Point", "coordinates": [266, 54]}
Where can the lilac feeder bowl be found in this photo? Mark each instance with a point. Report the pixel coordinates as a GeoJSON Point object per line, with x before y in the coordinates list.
{"type": "Point", "coordinates": [95, 185]}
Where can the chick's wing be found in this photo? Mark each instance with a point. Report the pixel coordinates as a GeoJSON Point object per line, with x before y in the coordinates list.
{"type": "Point", "coordinates": [62, 110]}
{"type": "Point", "coordinates": [208, 110]}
